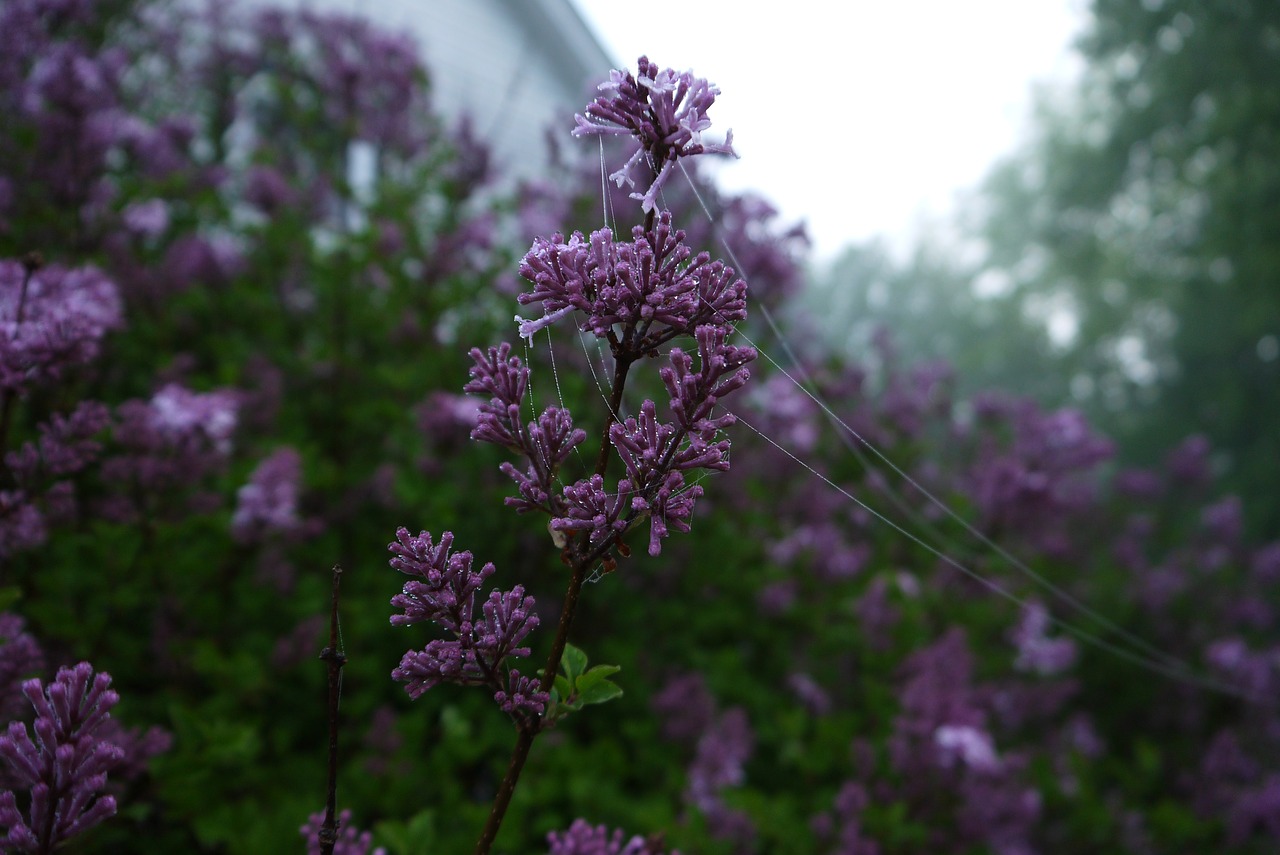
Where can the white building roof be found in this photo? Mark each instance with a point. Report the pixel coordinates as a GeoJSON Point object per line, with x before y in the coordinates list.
{"type": "Point", "coordinates": [515, 66]}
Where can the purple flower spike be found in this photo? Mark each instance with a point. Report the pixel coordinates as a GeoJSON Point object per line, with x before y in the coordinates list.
{"type": "Point", "coordinates": [508, 618]}
{"type": "Point", "coordinates": [664, 110]}
{"type": "Point", "coordinates": [499, 375]}
{"type": "Point", "coordinates": [448, 583]}
{"type": "Point", "coordinates": [644, 444]}
{"type": "Point", "coordinates": [66, 766]}
{"type": "Point", "coordinates": [551, 438]}
{"type": "Point", "coordinates": [695, 394]}
{"type": "Point", "coordinates": [505, 379]}
{"type": "Point", "coordinates": [443, 592]}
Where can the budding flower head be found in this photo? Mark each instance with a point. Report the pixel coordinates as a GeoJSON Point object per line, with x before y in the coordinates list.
{"type": "Point", "coordinates": [665, 110]}
{"type": "Point", "coordinates": [65, 767]}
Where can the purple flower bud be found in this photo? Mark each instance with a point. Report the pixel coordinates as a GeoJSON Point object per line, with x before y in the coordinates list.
{"type": "Point", "coordinates": [523, 695]}
{"type": "Point", "coordinates": [591, 509]}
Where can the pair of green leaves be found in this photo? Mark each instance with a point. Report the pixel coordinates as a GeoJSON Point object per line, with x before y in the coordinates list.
{"type": "Point", "coordinates": [576, 685]}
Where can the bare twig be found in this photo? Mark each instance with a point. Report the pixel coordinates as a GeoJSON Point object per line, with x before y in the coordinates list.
{"type": "Point", "coordinates": [335, 659]}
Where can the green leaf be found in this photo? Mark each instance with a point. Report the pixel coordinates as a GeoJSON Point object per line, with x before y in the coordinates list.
{"type": "Point", "coordinates": [598, 693]}
{"type": "Point", "coordinates": [596, 675]}
{"type": "Point", "coordinates": [573, 663]}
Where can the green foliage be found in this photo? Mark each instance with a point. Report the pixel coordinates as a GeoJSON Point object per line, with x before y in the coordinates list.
{"type": "Point", "coordinates": [577, 686]}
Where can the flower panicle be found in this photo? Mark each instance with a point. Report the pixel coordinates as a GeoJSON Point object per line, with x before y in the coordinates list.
{"type": "Point", "coordinates": [664, 110]}
{"type": "Point", "coordinates": [442, 591]}
{"type": "Point", "coordinates": [65, 766]}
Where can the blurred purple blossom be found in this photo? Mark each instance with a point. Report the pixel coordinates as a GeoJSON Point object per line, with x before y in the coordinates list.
{"type": "Point", "coordinates": [809, 693]}
{"type": "Point", "coordinates": [299, 645]}
{"type": "Point", "coordinates": [51, 320]}
{"type": "Point", "coordinates": [39, 471]}
{"type": "Point", "coordinates": [1036, 651]}
{"type": "Point", "coordinates": [845, 826]}
{"type": "Point", "coordinates": [1138, 483]}
{"type": "Point", "coordinates": [582, 838]}
{"type": "Point", "coordinates": [1223, 521]}
{"type": "Point", "coordinates": [20, 657]}
{"type": "Point", "coordinates": [168, 445]}
{"type": "Point", "coordinates": [268, 504]}
{"type": "Point", "coordinates": [685, 708]}
{"type": "Point", "coordinates": [719, 763]}
{"type": "Point", "coordinates": [1189, 461]}
{"type": "Point", "coordinates": [446, 416]}
{"type": "Point", "coordinates": [967, 744]}
{"type": "Point", "coordinates": [351, 840]}
{"type": "Point", "coordinates": [267, 189]}
{"type": "Point", "coordinates": [193, 260]}
{"type": "Point", "coordinates": [147, 219]}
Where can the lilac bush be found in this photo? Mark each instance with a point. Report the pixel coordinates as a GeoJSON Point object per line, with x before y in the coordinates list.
{"type": "Point", "coordinates": [820, 684]}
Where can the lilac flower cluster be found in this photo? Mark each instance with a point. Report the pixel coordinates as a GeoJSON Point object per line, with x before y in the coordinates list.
{"type": "Point", "coordinates": [719, 764]}
{"type": "Point", "coordinates": [51, 320]}
{"type": "Point", "coordinates": [721, 744]}
{"type": "Point", "coordinates": [1042, 476]}
{"type": "Point", "coordinates": [582, 838]}
{"type": "Point", "coordinates": [268, 504]}
{"type": "Point", "coordinates": [843, 827]}
{"type": "Point", "coordinates": [167, 444]}
{"type": "Point", "coordinates": [653, 279]}
{"type": "Point", "coordinates": [40, 491]}
{"type": "Point", "coordinates": [367, 78]}
{"type": "Point", "coordinates": [942, 734]}
{"type": "Point", "coordinates": [656, 454]}
{"type": "Point", "coordinates": [546, 441]}
{"type": "Point", "coordinates": [65, 767]}
{"type": "Point", "coordinates": [634, 291]}
{"type": "Point", "coordinates": [664, 110]}
{"type": "Point", "coordinates": [442, 590]}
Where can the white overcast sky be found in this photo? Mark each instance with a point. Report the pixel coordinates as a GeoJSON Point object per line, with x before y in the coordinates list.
{"type": "Point", "coordinates": [862, 118]}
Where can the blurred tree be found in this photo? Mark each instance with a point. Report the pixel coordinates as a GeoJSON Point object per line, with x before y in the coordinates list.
{"type": "Point", "coordinates": [936, 307]}
{"type": "Point", "coordinates": [1145, 222]}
